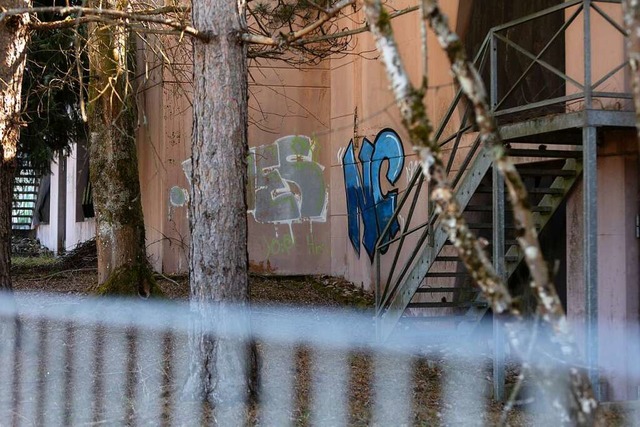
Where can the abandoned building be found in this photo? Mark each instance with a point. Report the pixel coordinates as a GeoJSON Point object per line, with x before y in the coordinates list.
{"type": "Point", "coordinates": [335, 188]}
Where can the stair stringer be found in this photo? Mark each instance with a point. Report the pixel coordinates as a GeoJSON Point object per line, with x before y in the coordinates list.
{"type": "Point", "coordinates": [553, 201]}
{"type": "Point", "coordinates": [474, 314]}
{"type": "Point", "coordinates": [407, 289]}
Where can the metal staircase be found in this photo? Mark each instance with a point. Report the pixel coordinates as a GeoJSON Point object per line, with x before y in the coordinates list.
{"type": "Point", "coordinates": [433, 283]}
{"type": "Point", "coordinates": [420, 279]}
{"type": "Point", "coordinates": [25, 193]}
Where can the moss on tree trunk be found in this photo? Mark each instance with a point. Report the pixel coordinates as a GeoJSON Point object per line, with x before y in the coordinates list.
{"type": "Point", "coordinates": [123, 267]}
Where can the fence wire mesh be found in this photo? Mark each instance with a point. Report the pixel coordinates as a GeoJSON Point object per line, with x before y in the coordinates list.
{"type": "Point", "coordinates": [70, 361]}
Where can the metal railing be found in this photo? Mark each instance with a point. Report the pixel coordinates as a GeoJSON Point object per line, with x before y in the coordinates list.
{"type": "Point", "coordinates": [25, 193]}
{"type": "Point", "coordinates": [569, 94]}
{"type": "Point", "coordinates": [79, 361]}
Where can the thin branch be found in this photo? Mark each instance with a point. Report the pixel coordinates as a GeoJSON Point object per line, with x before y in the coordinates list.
{"type": "Point", "coordinates": [363, 29]}
{"type": "Point", "coordinates": [581, 402]}
{"type": "Point", "coordinates": [284, 39]}
{"type": "Point", "coordinates": [148, 16]}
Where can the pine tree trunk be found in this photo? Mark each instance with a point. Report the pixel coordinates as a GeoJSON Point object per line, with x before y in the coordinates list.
{"type": "Point", "coordinates": [218, 222]}
{"type": "Point", "coordinates": [122, 263]}
{"type": "Point", "coordinates": [14, 37]}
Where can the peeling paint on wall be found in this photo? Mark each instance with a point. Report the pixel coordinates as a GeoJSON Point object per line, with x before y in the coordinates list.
{"type": "Point", "coordinates": [286, 183]}
{"type": "Point", "coordinates": [364, 190]}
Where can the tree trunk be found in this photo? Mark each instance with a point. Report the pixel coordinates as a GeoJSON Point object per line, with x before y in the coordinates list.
{"type": "Point", "coordinates": [14, 37]}
{"type": "Point", "coordinates": [123, 267]}
{"type": "Point", "coordinates": [218, 221]}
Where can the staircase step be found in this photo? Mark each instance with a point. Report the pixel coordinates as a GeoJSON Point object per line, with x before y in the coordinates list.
{"type": "Point", "coordinates": [545, 190]}
{"type": "Point", "coordinates": [448, 258]}
{"type": "Point", "coordinates": [536, 190]}
{"type": "Point", "coordinates": [457, 259]}
{"type": "Point", "coordinates": [563, 154]}
{"type": "Point", "coordinates": [489, 226]}
{"type": "Point", "coordinates": [507, 242]}
{"type": "Point", "coordinates": [430, 319]}
{"type": "Point", "coordinates": [452, 304]}
{"type": "Point", "coordinates": [445, 290]}
{"type": "Point", "coordinates": [448, 274]}
{"type": "Point", "coordinates": [489, 208]}
{"type": "Point", "coordinates": [546, 172]}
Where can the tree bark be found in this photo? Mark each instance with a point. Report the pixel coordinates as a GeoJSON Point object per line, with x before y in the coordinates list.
{"type": "Point", "coordinates": [123, 267]}
{"type": "Point", "coordinates": [217, 212]}
{"type": "Point", "coordinates": [14, 37]}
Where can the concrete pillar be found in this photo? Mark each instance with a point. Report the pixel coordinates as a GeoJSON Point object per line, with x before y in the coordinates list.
{"type": "Point", "coordinates": [618, 266]}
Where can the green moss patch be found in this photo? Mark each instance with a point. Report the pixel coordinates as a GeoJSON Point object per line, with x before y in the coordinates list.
{"type": "Point", "coordinates": [131, 280]}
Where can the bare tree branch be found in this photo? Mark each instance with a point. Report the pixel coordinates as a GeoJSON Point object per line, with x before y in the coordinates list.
{"type": "Point", "coordinates": [347, 33]}
{"type": "Point", "coordinates": [147, 16]}
{"type": "Point", "coordinates": [581, 402]}
{"type": "Point", "coordinates": [284, 39]}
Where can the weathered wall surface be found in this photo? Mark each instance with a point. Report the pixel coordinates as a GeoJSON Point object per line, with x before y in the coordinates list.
{"type": "Point", "coordinates": [618, 260]}
{"type": "Point", "coordinates": [608, 42]}
{"type": "Point", "coordinates": [289, 182]}
{"type": "Point", "coordinates": [65, 229]}
{"type": "Point", "coordinates": [164, 143]}
{"type": "Point", "coordinates": [288, 177]}
{"type": "Point", "coordinates": [329, 162]}
{"type": "Point", "coordinates": [77, 229]}
{"type": "Point", "coordinates": [373, 161]}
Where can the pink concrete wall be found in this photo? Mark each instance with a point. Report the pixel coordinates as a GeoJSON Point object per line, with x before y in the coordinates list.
{"type": "Point", "coordinates": [607, 43]}
{"type": "Point", "coordinates": [289, 174]}
{"type": "Point", "coordinates": [303, 124]}
{"type": "Point", "coordinates": [284, 102]}
{"type": "Point", "coordinates": [361, 107]}
{"type": "Point", "coordinates": [618, 266]}
{"type": "Point", "coordinates": [150, 144]}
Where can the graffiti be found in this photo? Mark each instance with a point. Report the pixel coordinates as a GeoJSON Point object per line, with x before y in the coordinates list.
{"type": "Point", "coordinates": [279, 245]}
{"type": "Point", "coordinates": [178, 196]}
{"type": "Point", "coordinates": [286, 183]}
{"type": "Point", "coordinates": [411, 169]}
{"type": "Point", "coordinates": [285, 245]}
{"type": "Point", "coordinates": [313, 247]}
{"type": "Point", "coordinates": [364, 191]}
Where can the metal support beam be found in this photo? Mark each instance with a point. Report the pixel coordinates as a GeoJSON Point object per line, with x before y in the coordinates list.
{"type": "Point", "coordinates": [590, 220]}
{"type": "Point", "coordinates": [493, 63]}
{"type": "Point", "coordinates": [590, 248]}
{"type": "Point", "coordinates": [499, 265]}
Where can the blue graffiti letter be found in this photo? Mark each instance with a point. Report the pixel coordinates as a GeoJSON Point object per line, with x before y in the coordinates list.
{"type": "Point", "coordinates": [364, 194]}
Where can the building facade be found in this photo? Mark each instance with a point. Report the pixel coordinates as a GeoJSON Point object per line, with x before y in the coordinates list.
{"type": "Point", "coordinates": [334, 185]}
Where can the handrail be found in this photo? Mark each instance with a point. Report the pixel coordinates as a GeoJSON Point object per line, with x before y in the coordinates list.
{"type": "Point", "coordinates": [443, 123]}
{"type": "Point", "coordinates": [586, 91]}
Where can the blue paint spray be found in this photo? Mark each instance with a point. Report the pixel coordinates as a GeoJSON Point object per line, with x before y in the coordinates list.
{"type": "Point", "coordinates": [364, 192]}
